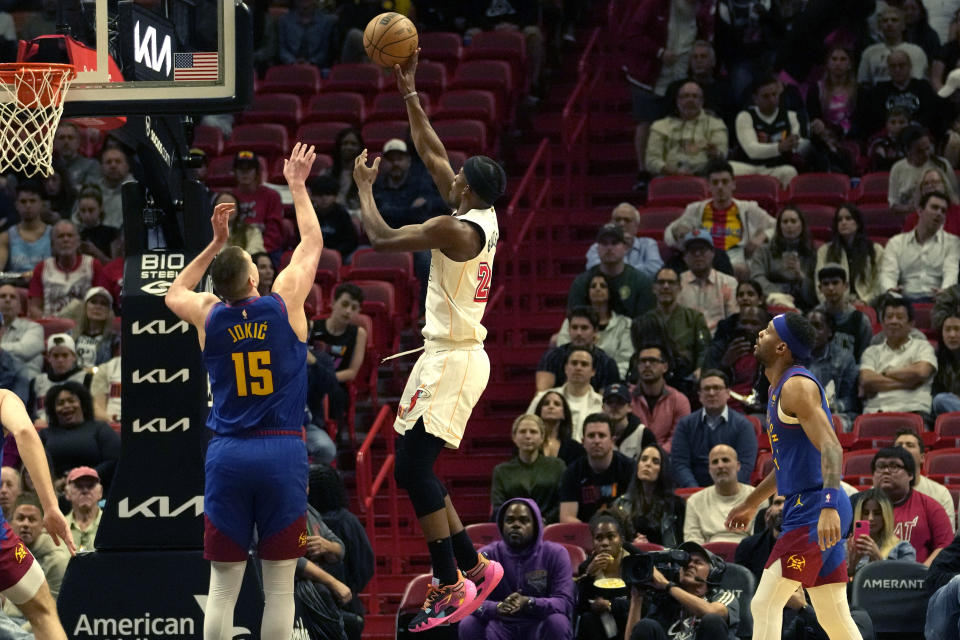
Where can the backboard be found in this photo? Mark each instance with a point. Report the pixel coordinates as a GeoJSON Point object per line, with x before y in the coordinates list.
{"type": "Point", "coordinates": [150, 57]}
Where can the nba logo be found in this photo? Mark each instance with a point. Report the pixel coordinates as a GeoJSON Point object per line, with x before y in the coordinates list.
{"type": "Point", "coordinates": [827, 498]}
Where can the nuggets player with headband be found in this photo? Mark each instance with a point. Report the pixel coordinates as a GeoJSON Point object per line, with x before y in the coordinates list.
{"type": "Point", "coordinates": [806, 469]}
{"type": "Point", "coordinates": [254, 349]}
{"type": "Point", "coordinates": [450, 375]}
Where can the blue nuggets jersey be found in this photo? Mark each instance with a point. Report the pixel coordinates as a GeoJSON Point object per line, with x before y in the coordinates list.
{"type": "Point", "coordinates": [257, 367]}
{"type": "Point", "coordinates": [795, 459]}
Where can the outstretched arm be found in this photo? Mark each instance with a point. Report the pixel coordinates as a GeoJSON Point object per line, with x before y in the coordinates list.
{"type": "Point", "coordinates": [425, 139]}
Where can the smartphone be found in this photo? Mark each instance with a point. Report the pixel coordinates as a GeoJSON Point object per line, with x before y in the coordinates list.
{"type": "Point", "coordinates": [861, 528]}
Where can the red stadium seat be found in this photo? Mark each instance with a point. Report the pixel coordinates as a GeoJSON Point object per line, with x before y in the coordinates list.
{"type": "Point", "coordinates": [819, 221]}
{"type": "Point", "coordinates": [874, 187]}
{"type": "Point", "coordinates": [819, 188]}
{"type": "Point", "coordinates": [279, 108]}
{"type": "Point", "coordinates": [856, 466]}
{"type": "Point", "coordinates": [577, 556]}
{"type": "Point", "coordinates": [764, 189]}
{"type": "Point", "coordinates": [314, 302]}
{"type": "Point", "coordinates": [491, 75]}
{"type": "Point", "coordinates": [376, 134]}
{"type": "Point", "coordinates": [677, 191]}
{"type": "Point", "coordinates": [648, 546]}
{"type": "Point", "coordinates": [265, 139]}
{"type": "Point", "coordinates": [575, 533]}
{"type": "Point", "coordinates": [472, 104]}
{"type": "Point", "coordinates": [686, 492]}
{"type": "Point", "coordinates": [441, 46]}
{"type": "Point", "coordinates": [380, 304]}
{"type": "Point", "coordinates": [873, 430]}
{"type": "Point", "coordinates": [457, 158]}
{"type": "Point", "coordinates": [947, 430]}
{"type": "Point", "coordinates": [322, 135]}
{"type": "Point", "coordinates": [943, 465]}
{"type": "Point", "coordinates": [483, 532]}
{"type": "Point", "coordinates": [878, 221]}
{"type": "Point", "coordinates": [763, 467]}
{"type": "Point", "coordinates": [395, 268]}
{"type": "Point", "coordinates": [220, 172]}
{"type": "Point", "coordinates": [328, 270]}
{"type": "Point", "coordinates": [726, 550]}
{"type": "Point", "coordinates": [469, 136]}
{"type": "Point", "coordinates": [870, 312]}
{"type": "Point", "coordinates": [336, 106]}
{"type": "Point", "coordinates": [510, 46]}
{"type": "Point", "coordinates": [654, 221]}
{"type": "Point", "coordinates": [366, 79]}
{"type": "Point", "coordinates": [209, 139]}
{"type": "Point", "coordinates": [391, 106]}
{"type": "Point", "coordinates": [302, 79]}
{"type": "Point", "coordinates": [921, 315]}
{"type": "Point", "coordinates": [431, 79]}
{"type": "Point", "coordinates": [54, 325]}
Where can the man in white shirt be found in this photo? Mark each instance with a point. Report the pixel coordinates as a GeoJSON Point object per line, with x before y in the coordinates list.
{"type": "Point", "coordinates": [581, 397]}
{"type": "Point", "coordinates": [896, 374]}
{"type": "Point", "coordinates": [909, 440]}
{"type": "Point", "coordinates": [643, 255]}
{"type": "Point", "coordinates": [873, 62]}
{"type": "Point", "coordinates": [712, 293]}
{"type": "Point", "coordinates": [707, 509]}
{"type": "Point", "coordinates": [921, 263]}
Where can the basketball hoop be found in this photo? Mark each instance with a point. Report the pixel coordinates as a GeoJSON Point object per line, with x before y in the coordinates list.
{"type": "Point", "coordinates": [31, 103]}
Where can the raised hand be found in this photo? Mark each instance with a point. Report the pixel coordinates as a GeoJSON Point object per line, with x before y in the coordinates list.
{"type": "Point", "coordinates": [221, 221]}
{"type": "Point", "coordinates": [296, 168]}
{"type": "Point", "coordinates": [740, 517]}
{"type": "Point", "coordinates": [363, 175]}
{"type": "Point", "coordinates": [56, 526]}
{"type": "Point", "coordinates": [406, 74]}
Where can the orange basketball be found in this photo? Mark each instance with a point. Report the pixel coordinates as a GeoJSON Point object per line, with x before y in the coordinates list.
{"type": "Point", "coordinates": [390, 39]}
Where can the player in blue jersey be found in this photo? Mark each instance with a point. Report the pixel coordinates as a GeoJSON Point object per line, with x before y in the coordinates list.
{"type": "Point", "coordinates": [806, 469]}
{"type": "Point", "coordinates": [254, 349]}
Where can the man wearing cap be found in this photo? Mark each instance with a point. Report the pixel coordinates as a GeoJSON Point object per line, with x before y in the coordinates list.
{"type": "Point", "coordinates": [64, 277]}
{"type": "Point", "coordinates": [63, 366]}
{"type": "Point", "coordinates": [694, 608]}
{"type": "Point", "coordinates": [643, 254]}
{"type": "Point", "coordinates": [582, 325]}
{"type": "Point", "coordinates": [853, 328]}
{"type": "Point", "coordinates": [702, 287]}
{"type": "Point", "coordinates": [13, 373]}
{"type": "Point", "coordinates": [335, 222]}
{"type": "Point", "coordinates": [633, 288]}
{"type": "Point", "coordinates": [83, 492]}
{"type": "Point", "coordinates": [630, 435]}
{"type": "Point", "coordinates": [696, 435]}
{"type": "Point", "coordinates": [257, 203]}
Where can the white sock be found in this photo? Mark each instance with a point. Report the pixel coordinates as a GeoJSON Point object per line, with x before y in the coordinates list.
{"type": "Point", "coordinates": [830, 604]}
{"type": "Point", "coordinates": [768, 602]}
{"type": "Point", "coordinates": [279, 607]}
{"type": "Point", "coordinates": [225, 581]}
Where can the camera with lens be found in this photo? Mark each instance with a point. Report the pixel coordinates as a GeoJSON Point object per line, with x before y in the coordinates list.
{"type": "Point", "coordinates": [637, 568]}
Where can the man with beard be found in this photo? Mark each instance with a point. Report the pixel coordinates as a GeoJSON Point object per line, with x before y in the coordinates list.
{"type": "Point", "coordinates": [84, 491]}
{"type": "Point", "coordinates": [594, 481]}
{"type": "Point", "coordinates": [707, 510]}
{"type": "Point", "coordinates": [535, 597]}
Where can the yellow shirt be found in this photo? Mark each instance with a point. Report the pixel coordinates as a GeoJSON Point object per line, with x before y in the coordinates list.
{"type": "Point", "coordinates": [723, 224]}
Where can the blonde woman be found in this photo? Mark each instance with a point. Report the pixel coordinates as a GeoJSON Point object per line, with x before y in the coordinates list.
{"type": "Point", "coordinates": [880, 544]}
{"type": "Point", "coordinates": [529, 474]}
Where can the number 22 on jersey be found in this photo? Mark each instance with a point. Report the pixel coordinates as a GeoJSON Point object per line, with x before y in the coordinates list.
{"type": "Point", "coordinates": [252, 365]}
{"type": "Point", "coordinates": [484, 273]}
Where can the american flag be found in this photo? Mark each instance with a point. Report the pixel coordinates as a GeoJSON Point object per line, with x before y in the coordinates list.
{"type": "Point", "coordinates": [196, 66]}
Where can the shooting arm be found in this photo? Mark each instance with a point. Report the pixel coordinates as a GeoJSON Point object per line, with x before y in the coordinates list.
{"type": "Point", "coordinates": [429, 147]}
{"type": "Point", "coordinates": [181, 298]}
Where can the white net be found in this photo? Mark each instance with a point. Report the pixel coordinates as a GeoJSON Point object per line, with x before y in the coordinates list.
{"type": "Point", "coordinates": [31, 103]}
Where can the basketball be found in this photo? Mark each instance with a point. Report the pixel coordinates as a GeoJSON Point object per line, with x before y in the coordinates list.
{"type": "Point", "coordinates": [389, 39]}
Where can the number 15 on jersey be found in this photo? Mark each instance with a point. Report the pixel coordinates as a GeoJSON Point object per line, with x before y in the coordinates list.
{"type": "Point", "coordinates": [253, 366]}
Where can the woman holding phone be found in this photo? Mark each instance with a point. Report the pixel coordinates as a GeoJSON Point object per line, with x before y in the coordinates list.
{"type": "Point", "coordinates": [873, 537]}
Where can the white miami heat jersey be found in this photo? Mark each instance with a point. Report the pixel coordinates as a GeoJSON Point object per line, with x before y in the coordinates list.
{"type": "Point", "coordinates": [457, 292]}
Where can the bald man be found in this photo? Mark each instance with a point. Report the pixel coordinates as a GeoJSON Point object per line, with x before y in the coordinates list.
{"type": "Point", "coordinates": [707, 510]}
{"type": "Point", "coordinates": [643, 255]}
{"type": "Point", "coordinates": [904, 90]}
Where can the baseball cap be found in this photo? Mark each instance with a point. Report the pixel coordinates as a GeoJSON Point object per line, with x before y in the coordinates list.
{"type": "Point", "coordinates": [98, 291]}
{"type": "Point", "coordinates": [951, 85]}
{"type": "Point", "coordinates": [717, 565]}
{"type": "Point", "coordinates": [395, 144]}
{"type": "Point", "coordinates": [832, 270]}
{"type": "Point", "coordinates": [82, 472]}
{"type": "Point", "coordinates": [611, 230]}
{"type": "Point", "coordinates": [247, 159]}
{"type": "Point", "coordinates": [61, 340]}
{"type": "Point", "coordinates": [701, 235]}
{"type": "Point", "coordinates": [617, 389]}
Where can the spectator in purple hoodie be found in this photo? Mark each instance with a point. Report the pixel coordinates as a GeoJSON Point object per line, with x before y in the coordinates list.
{"type": "Point", "coordinates": [535, 597]}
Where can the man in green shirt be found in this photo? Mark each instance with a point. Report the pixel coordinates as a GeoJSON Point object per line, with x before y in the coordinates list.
{"type": "Point", "coordinates": [632, 287]}
{"type": "Point", "coordinates": [84, 492]}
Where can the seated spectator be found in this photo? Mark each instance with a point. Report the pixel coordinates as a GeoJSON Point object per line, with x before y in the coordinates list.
{"type": "Point", "coordinates": [105, 389]}
{"type": "Point", "coordinates": [942, 584]}
{"type": "Point", "coordinates": [884, 148]}
{"type": "Point", "coordinates": [686, 140]}
{"type": "Point", "coordinates": [535, 597]}
{"type": "Point", "coordinates": [785, 267]}
{"type": "Point", "coordinates": [346, 147]}
{"type": "Point", "coordinates": [633, 287]}
{"type": "Point", "coordinates": [557, 418]}
{"type": "Point", "coordinates": [919, 264]}
{"type": "Point", "coordinates": [611, 331]}
{"type": "Point", "coordinates": [26, 243]}
{"type": "Point", "coordinates": [852, 250]}
{"type": "Point", "coordinates": [702, 287]}
{"type": "Point", "coordinates": [707, 509]}
{"type": "Point", "coordinates": [929, 181]}
{"type": "Point", "coordinates": [905, 174]}
{"type": "Point", "coordinates": [896, 374]}
{"type": "Point", "coordinates": [717, 93]}
{"type": "Point", "coordinates": [96, 239]}
{"type": "Point", "coordinates": [686, 327]}
{"type": "Point", "coordinates": [658, 405]}
{"type": "Point", "coordinates": [946, 382]}
{"type": "Point", "coordinates": [643, 255]}
{"type": "Point", "coordinates": [834, 366]}
{"type": "Point", "coordinates": [594, 481]}
{"type": "Point", "coordinates": [918, 519]}
{"type": "Point", "coordinates": [852, 328]}
{"type": "Point", "coordinates": [650, 508]}
{"type": "Point", "coordinates": [629, 434]}
{"type": "Point", "coordinates": [737, 226]}
{"type": "Point", "coordinates": [66, 148]}
{"type": "Point", "coordinates": [918, 29]}
{"type": "Point", "coordinates": [880, 543]}
{"type": "Point", "coordinates": [873, 62]}
{"type": "Point", "coordinates": [696, 604]}
{"type": "Point", "coordinates": [95, 338]}
{"type": "Point", "coordinates": [698, 433]}
{"type": "Point", "coordinates": [908, 439]}
{"type": "Point", "coordinates": [529, 474]}
{"type": "Point", "coordinates": [305, 35]}
{"type": "Point", "coordinates": [267, 271]}
{"type": "Point", "coordinates": [344, 341]}
{"type": "Point", "coordinates": [732, 353]}
{"type": "Point", "coordinates": [11, 486]}
{"type": "Point", "coordinates": [59, 193]}
{"type": "Point", "coordinates": [59, 283]}
{"type": "Point", "coordinates": [339, 233]}
{"type": "Point", "coordinates": [600, 607]}
{"type": "Point", "coordinates": [22, 338]}
{"type": "Point", "coordinates": [73, 438]}
{"type": "Point", "coordinates": [242, 234]}
{"type": "Point", "coordinates": [582, 324]}
{"type": "Point", "coordinates": [84, 492]}
{"type": "Point", "coordinates": [580, 396]}
{"type": "Point", "coordinates": [115, 172]}
{"type": "Point", "coordinates": [833, 100]}
{"type": "Point", "coordinates": [906, 90]}
{"type": "Point", "coordinates": [769, 137]}
{"type": "Point", "coordinates": [63, 366]}
{"type": "Point", "coordinates": [259, 205]}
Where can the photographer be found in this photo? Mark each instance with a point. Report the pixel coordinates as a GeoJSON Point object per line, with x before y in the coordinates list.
{"type": "Point", "coordinates": [693, 606]}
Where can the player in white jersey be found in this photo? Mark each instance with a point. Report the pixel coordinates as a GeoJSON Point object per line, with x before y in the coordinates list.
{"type": "Point", "coordinates": [450, 375]}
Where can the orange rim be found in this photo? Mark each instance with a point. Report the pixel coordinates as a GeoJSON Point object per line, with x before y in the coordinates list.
{"type": "Point", "coordinates": [10, 70]}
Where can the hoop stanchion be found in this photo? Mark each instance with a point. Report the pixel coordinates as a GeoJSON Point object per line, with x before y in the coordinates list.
{"type": "Point", "coordinates": [31, 103]}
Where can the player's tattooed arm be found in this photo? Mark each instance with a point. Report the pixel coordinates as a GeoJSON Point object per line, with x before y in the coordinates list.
{"type": "Point", "coordinates": [801, 399]}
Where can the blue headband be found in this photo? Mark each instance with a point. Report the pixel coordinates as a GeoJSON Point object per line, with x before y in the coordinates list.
{"type": "Point", "coordinates": [799, 351]}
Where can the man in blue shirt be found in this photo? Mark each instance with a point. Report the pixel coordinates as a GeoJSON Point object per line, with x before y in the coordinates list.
{"type": "Point", "coordinates": [643, 254]}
